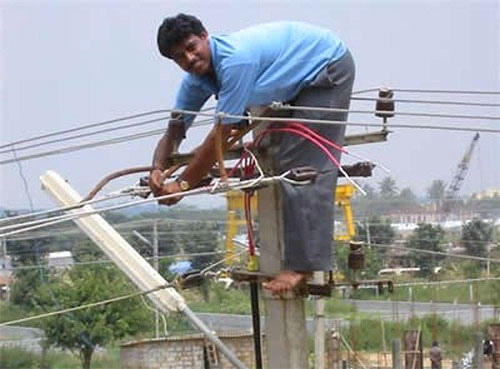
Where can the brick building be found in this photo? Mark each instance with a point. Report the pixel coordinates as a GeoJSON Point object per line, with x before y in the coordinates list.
{"type": "Point", "coordinates": [194, 352]}
{"type": "Point", "coordinates": [186, 352]}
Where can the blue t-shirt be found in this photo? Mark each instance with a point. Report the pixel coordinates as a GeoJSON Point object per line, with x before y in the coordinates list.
{"type": "Point", "coordinates": [259, 65]}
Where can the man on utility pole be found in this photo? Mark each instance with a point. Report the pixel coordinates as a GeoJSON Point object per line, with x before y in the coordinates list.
{"type": "Point", "coordinates": [288, 62]}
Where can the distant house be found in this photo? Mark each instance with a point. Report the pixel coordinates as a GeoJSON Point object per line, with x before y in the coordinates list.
{"type": "Point", "coordinates": [5, 281]}
{"type": "Point", "coordinates": [60, 259]}
{"type": "Point", "coordinates": [5, 277]}
{"type": "Point", "coordinates": [487, 194]}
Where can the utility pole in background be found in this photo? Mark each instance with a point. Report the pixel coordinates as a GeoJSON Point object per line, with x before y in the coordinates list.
{"type": "Point", "coordinates": [154, 245]}
{"type": "Point", "coordinates": [156, 267]}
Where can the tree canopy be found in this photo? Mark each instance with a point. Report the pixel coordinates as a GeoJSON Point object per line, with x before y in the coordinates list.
{"type": "Point", "coordinates": [83, 331]}
{"type": "Point", "coordinates": [426, 237]}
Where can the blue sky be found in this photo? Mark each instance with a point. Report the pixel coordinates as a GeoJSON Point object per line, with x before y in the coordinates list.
{"type": "Point", "coordinates": [69, 63]}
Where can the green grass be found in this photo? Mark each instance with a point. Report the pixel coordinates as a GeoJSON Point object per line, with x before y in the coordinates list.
{"type": "Point", "coordinates": [109, 359]}
{"type": "Point", "coordinates": [486, 292]}
{"type": "Point", "coordinates": [10, 312]}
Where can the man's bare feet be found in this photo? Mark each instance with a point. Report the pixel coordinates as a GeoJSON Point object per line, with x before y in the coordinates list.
{"type": "Point", "coordinates": [285, 281]}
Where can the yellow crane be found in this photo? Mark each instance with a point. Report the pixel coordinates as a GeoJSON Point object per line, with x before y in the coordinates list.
{"type": "Point", "coordinates": [236, 219]}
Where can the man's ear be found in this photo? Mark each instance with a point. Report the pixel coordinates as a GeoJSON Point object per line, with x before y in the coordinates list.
{"type": "Point", "coordinates": [203, 35]}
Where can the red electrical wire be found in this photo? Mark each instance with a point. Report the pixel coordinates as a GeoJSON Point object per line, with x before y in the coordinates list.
{"type": "Point", "coordinates": [318, 136]}
{"type": "Point", "coordinates": [248, 217]}
{"type": "Point", "coordinates": [306, 136]}
{"type": "Point", "coordinates": [248, 170]}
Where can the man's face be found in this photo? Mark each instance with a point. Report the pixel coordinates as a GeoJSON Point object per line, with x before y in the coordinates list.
{"type": "Point", "coordinates": [192, 54]}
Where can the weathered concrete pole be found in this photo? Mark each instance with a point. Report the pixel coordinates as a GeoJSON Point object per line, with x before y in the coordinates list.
{"type": "Point", "coordinates": [396, 354]}
{"type": "Point", "coordinates": [319, 325]}
{"type": "Point", "coordinates": [478, 350]}
{"type": "Point", "coordinates": [286, 335]}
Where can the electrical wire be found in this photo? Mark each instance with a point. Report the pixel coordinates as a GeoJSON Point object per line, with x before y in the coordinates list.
{"type": "Point", "coordinates": [215, 116]}
{"type": "Point", "coordinates": [130, 224]}
{"type": "Point", "coordinates": [156, 311]}
{"type": "Point", "coordinates": [334, 145]}
{"type": "Point", "coordinates": [107, 261]}
{"type": "Point", "coordinates": [211, 189]}
{"type": "Point", "coordinates": [358, 124]}
{"type": "Point", "coordinates": [93, 125]}
{"type": "Point", "coordinates": [23, 178]}
{"type": "Point", "coordinates": [73, 148]}
{"type": "Point", "coordinates": [422, 251]}
{"type": "Point", "coordinates": [111, 196]}
{"type": "Point", "coordinates": [430, 102]}
{"type": "Point", "coordinates": [321, 147]}
{"type": "Point", "coordinates": [280, 106]}
{"type": "Point", "coordinates": [444, 282]}
{"type": "Point", "coordinates": [82, 135]}
{"type": "Point", "coordinates": [106, 142]}
{"type": "Point", "coordinates": [463, 92]}
{"type": "Point", "coordinates": [85, 306]}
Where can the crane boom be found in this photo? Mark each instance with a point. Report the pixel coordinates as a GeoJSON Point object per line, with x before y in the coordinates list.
{"type": "Point", "coordinates": [458, 179]}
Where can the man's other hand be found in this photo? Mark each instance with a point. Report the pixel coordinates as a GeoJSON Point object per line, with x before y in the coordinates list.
{"type": "Point", "coordinates": [156, 181]}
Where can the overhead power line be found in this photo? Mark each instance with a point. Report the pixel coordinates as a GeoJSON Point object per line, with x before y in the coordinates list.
{"type": "Point", "coordinates": [280, 106]}
{"type": "Point", "coordinates": [81, 128]}
{"type": "Point", "coordinates": [85, 306]}
{"type": "Point", "coordinates": [422, 251]}
{"type": "Point", "coordinates": [430, 102]}
{"type": "Point", "coordinates": [456, 92]}
{"type": "Point", "coordinates": [82, 135]}
{"type": "Point", "coordinates": [94, 144]}
{"type": "Point", "coordinates": [107, 261]}
{"type": "Point", "coordinates": [211, 189]}
{"type": "Point", "coordinates": [335, 122]}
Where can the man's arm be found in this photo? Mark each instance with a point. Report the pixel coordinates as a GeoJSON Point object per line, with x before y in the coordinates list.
{"type": "Point", "coordinates": [167, 145]}
{"type": "Point", "coordinates": [203, 161]}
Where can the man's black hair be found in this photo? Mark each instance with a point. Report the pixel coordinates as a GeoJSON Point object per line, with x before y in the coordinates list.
{"type": "Point", "coordinates": [175, 29]}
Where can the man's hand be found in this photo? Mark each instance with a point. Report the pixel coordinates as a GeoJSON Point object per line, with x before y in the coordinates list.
{"type": "Point", "coordinates": [159, 189]}
{"type": "Point", "coordinates": [156, 182]}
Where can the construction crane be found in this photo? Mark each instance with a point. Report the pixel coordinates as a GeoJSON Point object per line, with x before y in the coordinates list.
{"type": "Point", "coordinates": [458, 179]}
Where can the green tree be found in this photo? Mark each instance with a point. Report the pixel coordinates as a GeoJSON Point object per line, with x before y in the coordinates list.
{"type": "Point", "coordinates": [82, 331]}
{"type": "Point", "coordinates": [379, 231]}
{"type": "Point", "coordinates": [436, 191]}
{"type": "Point", "coordinates": [27, 258]}
{"type": "Point", "coordinates": [476, 235]}
{"type": "Point", "coordinates": [388, 188]}
{"type": "Point", "coordinates": [202, 237]}
{"type": "Point", "coordinates": [426, 237]}
{"type": "Point", "coordinates": [407, 195]}
{"type": "Point", "coordinates": [407, 200]}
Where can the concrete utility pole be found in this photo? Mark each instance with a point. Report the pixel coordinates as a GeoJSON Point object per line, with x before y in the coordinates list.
{"type": "Point", "coordinates": [156, 266]}
{"type": "Point", "coordinates": [135, 267]}
{"type": "Point", "coordinates": [154, 245]}
{"type": "Point", "coordinates": [478, 351]}
{"type": "Point", "coordinates": [319, 325]}
{"type": "Point", "coordinates": [286, 335]}
{"type": "Point", "coordinates": [396, 354]}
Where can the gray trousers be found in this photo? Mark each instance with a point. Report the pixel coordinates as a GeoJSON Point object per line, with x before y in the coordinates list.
{"type": "Point", "coordinates": [308, 210]}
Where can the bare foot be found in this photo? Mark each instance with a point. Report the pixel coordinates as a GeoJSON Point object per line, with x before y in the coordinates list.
{"type": "Point", "coordinates": [285, 281]}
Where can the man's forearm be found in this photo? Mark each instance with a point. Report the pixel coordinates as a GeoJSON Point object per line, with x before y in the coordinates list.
{"type": "Point", "coordinates": [204, 158]}
{"type": "Point", "coordinates": [168, 144]}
